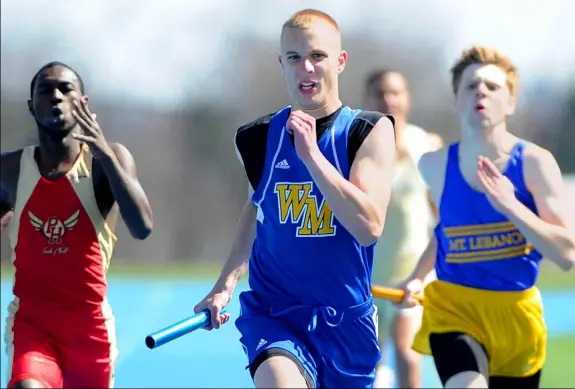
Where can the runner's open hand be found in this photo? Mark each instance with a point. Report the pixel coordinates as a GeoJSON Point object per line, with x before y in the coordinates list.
{"type": "Point", "coordinates": [498, 188]}
{"type": "Point", "coordinates": [92, 133]}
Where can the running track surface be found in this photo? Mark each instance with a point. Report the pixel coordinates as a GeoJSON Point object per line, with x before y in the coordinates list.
{"type": "Point", "coordinates": [209, 359]}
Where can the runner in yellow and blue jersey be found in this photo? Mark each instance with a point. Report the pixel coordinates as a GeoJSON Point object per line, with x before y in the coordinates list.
{"type": "Point", "coordinates": [502, 208]}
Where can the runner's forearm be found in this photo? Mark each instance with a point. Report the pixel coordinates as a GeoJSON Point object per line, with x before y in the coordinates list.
{"type": "Point", "coordinates": [237, 264]}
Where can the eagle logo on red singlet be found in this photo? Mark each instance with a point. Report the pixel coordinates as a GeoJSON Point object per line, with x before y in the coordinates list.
{"type": "Point", "coordinates": [53, 228]}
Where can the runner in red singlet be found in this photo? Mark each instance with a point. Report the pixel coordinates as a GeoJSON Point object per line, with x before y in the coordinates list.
{"type": "Point", "coordinates": [62, 199]}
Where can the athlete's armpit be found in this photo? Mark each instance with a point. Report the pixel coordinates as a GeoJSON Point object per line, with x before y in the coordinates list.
{"type": "Point", "coordinates": [372, 170]}
{"type": "Point", "coordinates": [132, 201]}
{"type": "Point", "coordinates": [240, 159]}
{"type": "Point", "coordinates": [250, 143]}
{"type": "Point", "coordinates": [545, 182]}
{"type": "Point", "coordinates": [431, 166]}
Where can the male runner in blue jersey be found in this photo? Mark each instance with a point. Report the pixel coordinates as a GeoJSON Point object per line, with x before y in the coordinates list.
{"type": "Point", "coordinates": [502, 207]}
{"type": "Point", "coordinates": [321, 174]}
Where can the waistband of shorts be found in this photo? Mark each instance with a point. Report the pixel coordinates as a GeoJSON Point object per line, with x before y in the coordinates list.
{"type": "Point", "coordinates": [462, 292]}
{"type": "Point", "coordinates": [333, 317]}
{"type": "Point", "coordinates": [87, 313]}
{"type": "Point", "coordinates": [353, 312]}
{"type": "Point", "coordinates": [356, 311]}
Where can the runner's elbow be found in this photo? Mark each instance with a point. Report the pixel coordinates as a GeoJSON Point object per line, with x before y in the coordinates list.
{"type": "Point", "coordinates": [570, 260]}
{"type": "Point", "coordinates": [142, 231]}
{"type": "Point", "coordinates": [371, 233]}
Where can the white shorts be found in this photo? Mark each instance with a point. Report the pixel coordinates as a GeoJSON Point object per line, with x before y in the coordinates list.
{"type": "Point", "coordinates": [418, 309]}
{"type": "Point", "coordinates": [410, 311]}
{"type": "Point", "coordinates": [387, 308]}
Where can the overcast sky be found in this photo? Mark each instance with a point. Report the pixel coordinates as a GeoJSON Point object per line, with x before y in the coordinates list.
{"type": "Point", "coordinates": [125, 43]}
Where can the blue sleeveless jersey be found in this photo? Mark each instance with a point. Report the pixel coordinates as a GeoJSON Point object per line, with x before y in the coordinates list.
{"type": "Point", "coordinates": [478, 246]}
{"type": "Point", "coordinates": [302, 254]}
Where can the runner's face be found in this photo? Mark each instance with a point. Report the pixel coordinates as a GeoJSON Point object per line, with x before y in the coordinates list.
{"type": "Point", "coordinates": [483, 98]}
{"type": "Point", "coordinates": [311, 61]}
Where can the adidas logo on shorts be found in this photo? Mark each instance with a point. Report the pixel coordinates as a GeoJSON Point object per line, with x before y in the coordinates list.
{"type": "Point", "coordinates": [261, 344]}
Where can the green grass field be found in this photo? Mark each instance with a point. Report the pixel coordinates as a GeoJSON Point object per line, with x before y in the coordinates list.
{"type": "Point", "coordinates": [559, 371]}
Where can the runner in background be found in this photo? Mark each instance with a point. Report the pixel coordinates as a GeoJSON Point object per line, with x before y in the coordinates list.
{"type": "Point", "coordinates": [411, 217]}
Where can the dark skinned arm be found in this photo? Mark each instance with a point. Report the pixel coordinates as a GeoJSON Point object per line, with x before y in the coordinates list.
{"type": "Point", "coordinates": [6, 202]}
{"type": "Point", "coordinates": [6, 213]}
{"type": "Point", "coordinates": [6, 219]}
{"type": "Point", "coordinates": [120, 169]}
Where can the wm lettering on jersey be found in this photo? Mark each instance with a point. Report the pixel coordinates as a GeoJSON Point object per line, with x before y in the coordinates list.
{"type": "Point", "coordinates": [297, 205]}
{"type": "Point", "coordinates": [485, 242]}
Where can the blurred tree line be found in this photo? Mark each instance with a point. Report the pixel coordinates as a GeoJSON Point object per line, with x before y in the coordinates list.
{"type": "Point", "coordinates": [186, 159]}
